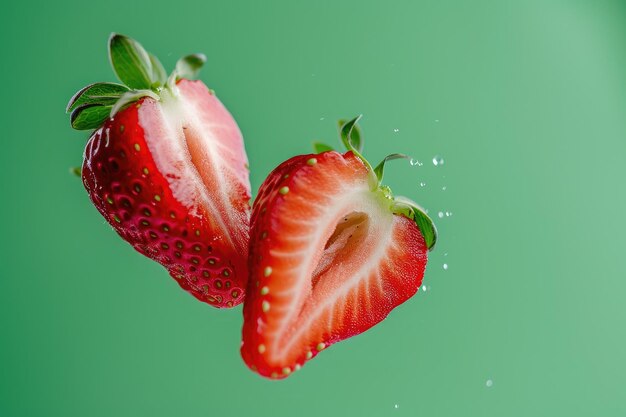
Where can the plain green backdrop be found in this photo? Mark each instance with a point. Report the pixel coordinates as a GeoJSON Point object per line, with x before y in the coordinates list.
{"type": "Point", "coordinates": [526, 103]}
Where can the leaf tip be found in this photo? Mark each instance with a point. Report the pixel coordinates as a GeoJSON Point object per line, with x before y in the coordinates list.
{"type": "Point", "coordinates": [114, 37]}
{"type": "Point", "coordinates": [319, 147]}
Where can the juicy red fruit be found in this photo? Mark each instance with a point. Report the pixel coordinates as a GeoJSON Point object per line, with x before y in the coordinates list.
{"type": "Point", "coordinates": [129, 190]}
{"type": "Point", "coordinates": [330, 256]}
{"type": "Point", "coordinates": [168, 170]}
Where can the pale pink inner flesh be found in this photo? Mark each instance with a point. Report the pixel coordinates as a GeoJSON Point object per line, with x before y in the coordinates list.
{"type": "Point", "coordinates": [198, 148]}
{"type": "Point", "coordinates": [332, 262]}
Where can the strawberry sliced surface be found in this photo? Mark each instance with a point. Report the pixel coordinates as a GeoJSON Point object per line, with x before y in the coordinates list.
{"type": "Point", "coordinates": [331, 254]}
{"type": "Point", "coordinates": [167, 168]}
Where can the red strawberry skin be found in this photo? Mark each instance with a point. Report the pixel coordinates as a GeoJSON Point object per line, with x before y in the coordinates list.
{"type": "Point", "coordinates": [328, 260]}
{"type": "Point", "coordinates": [171, 177]}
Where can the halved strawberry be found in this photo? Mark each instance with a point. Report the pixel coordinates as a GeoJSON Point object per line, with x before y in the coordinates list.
{"type": "Point", "coordinates": [332, 252]}
{"type": "Point", "coordinates": [166, 167]}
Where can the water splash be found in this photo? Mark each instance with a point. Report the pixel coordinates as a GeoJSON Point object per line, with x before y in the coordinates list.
{"type": "Point", "coordinates": [415, 162]}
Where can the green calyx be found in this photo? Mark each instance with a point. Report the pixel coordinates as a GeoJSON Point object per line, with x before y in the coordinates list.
{"type": "Point", "coordinates": [352, 139]}
{"type": "Point", "coordinates": [141, 74]}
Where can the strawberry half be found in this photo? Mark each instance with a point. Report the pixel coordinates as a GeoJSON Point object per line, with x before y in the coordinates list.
{"type": "Point", "coordinates": [332, 252]}
{"type": "Point", "coordinates": [166, 167]}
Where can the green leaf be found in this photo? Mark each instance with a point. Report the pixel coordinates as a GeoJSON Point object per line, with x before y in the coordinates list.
{"type": "Point", "coordinates": [76, 171]}
{"type": "Point", "coordinates": [130, 97]}
{"type": "Point", "coordinates": [130, 61]}
{"type": "Point", "coordinates": [380, 169]}
{"type": "Point", "coordinates": [89, 116]}
{"type": "Point", "coordinates": [97, 93]}
{"type": "Point", "coordinates": [319, 147]}
{"type": "Point", "coordinates": [159, 76]}
{"type": "Point", "coordinates": [351, 134]}
{"type": "Point", "coordinates": [413, 211]}
{"type": "Point", "coordinates": [189, 66]}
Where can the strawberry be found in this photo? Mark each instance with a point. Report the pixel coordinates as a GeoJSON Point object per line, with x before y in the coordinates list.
{"type": "Point", "coordinates": [166, 167]}
{"type": "Point", "coordinates": [332, 252]}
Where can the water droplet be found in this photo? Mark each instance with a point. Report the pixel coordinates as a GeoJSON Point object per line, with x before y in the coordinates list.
{"type": "Point", "coordinates": [415, 162]}
{"type": "Point", "coordinates": [489, 383]}
{"type": "Point", "coordinates": [445, 254]}
{"type": "Point", "coordinates": [448, 213]}
{"type": "Point", "coordinates": [422, 184]}
{"type": "Point", "coordinates": [444, 188]}
{"type": "Point", "coordinates": [322, 118]}
{"type": "Point", "coordinates": [424, 288]}
{"type": "Point", "coordinates": [440, 214]}
{"type": "Point", "coordinates": [436, 120]}
{"type": "Point", "coordinates": [445, 267]}
{"type": "Point", "coordinates": [438, 161]}
{"type": "Point", "coordinates": [396, 130]}
{"type": "Point", "coordinates": [396, 406]}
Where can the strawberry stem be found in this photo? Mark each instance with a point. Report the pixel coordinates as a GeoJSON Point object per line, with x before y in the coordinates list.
{"type": "Point", "coordinates": [351, 137]}
{"type": "Point", "coordinates": [380, 168]}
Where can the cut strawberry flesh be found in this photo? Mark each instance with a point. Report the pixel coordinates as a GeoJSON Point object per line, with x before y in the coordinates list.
{"type": "Point", "coordinates": [199, 149]}
{"type": "Point", "coordinates": [171, 178]}
{"type": "Point", "coordinates": [328, 261]}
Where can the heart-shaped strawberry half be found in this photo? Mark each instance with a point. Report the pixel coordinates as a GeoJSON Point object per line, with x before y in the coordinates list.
{"type": "Point", "coordinates": [332, 252]}
{"type": "Point", "coordinates": [166, 167]}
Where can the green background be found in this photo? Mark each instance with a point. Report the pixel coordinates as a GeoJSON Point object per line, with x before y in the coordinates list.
{"type": "Point", "coordinates": [526, 103]}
